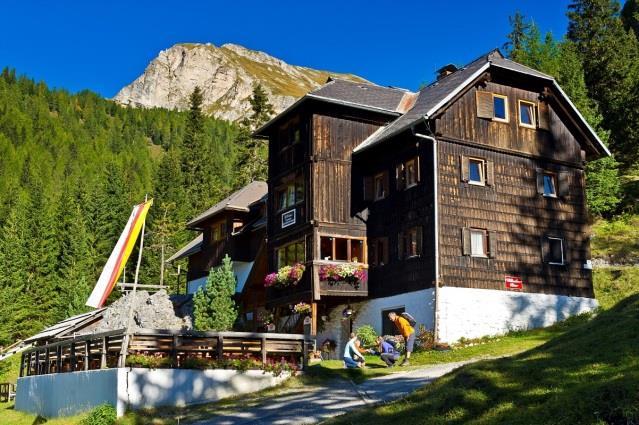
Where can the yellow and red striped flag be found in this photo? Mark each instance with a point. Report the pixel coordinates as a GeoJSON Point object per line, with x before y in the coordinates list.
{"type": "Point", "coordinates": [118, 258]}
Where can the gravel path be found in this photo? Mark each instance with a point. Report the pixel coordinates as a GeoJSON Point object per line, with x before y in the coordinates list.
{"type": "Point", "coordinates": [315, 404]}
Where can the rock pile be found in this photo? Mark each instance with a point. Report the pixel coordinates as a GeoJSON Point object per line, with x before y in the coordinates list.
{"type": "Point", "coordinates": [149, 311]}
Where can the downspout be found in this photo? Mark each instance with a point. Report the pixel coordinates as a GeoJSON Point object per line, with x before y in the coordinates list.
{"type": "Point", "coordinates": [436, 232]}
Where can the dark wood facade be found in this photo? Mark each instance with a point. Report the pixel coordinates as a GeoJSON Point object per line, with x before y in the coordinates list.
{"type": "Point", "coordinates": [320, 140]}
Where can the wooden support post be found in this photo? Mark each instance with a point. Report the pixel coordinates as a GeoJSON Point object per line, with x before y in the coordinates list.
{"type": "Point", "coordinates": [37, 362]}
{"type": "Point", "coordinates": [313, 318]}
{"type": "Point", "coordinates": [87, 354]}
{"type": "Point", "coordinates": [174, 352]}
{"type": "Point", "coordinates": [220, 347]}
{"type": "Point", "coordinates": [47, 364]}
{"type": "Point", "coordinates": [263, 350]}
{"type": "Point", "coordinates": [58, 361]}
{"type": "Point", "coordinates": [22, 365]}
{"type": "Point", "coordinates": [103, 352]}
{"type": "Point", "coordinates": [74, 360]}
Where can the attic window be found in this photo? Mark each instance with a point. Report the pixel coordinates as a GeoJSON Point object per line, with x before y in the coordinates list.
{"type": "Point", "coordinates": [527, 116]}
{"type": "Point", "coordinates": [500, 108]}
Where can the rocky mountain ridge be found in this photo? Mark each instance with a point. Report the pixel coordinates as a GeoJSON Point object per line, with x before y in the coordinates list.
{"type": "Point", "coordinates": [226, 75]}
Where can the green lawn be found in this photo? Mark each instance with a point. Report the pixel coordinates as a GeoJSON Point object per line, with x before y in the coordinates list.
{"type": "Point", "coordinates": [586, 375]}
{"type": "Point", "coordinates": [617, 240]}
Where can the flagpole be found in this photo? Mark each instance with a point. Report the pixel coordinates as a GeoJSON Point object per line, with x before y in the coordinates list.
{"type": "Point", "coordinates": [126, 338]}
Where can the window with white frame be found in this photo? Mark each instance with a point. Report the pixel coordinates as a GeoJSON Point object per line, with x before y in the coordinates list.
{"type": "Point", "coordinates": [527, 117]}
{"type": "Point", "coordinates": [500, 107]}
{"type": "Point", "coordinates": [476, 171]}
{"type": "Point", "coordinates": [555, 251]}
{"type": "Point", "coordinates": [478, 243]}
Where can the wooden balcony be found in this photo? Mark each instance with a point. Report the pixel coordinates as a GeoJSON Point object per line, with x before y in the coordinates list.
{"type": "Point", "coordinates": [310, 287]}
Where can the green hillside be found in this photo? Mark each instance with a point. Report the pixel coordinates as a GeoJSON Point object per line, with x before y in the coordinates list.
{"type": "Point", "coordinates": [71, 168]}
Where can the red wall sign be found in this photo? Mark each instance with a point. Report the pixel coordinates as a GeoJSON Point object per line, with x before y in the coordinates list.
{"type": "Point", "coordinates": [513, 282]}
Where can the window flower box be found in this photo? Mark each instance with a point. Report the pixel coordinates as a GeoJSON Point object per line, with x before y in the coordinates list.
{"type": "Point", "coordinates": [286, 276]}
{"type": "Point", "coordinates": [334, 274]}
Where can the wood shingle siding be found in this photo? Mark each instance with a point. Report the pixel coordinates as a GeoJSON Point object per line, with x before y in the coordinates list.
{"type": "Point", "coordinates": [517, 218]}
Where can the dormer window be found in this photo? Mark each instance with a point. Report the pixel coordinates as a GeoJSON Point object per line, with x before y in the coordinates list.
{"type": "Point", "coordinates": [527, 116]}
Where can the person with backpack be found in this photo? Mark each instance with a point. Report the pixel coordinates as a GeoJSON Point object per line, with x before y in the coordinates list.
{"type": "Point", "coordinates": [387, 351]}
{"type": "Point", "coordinates": [406, 330]}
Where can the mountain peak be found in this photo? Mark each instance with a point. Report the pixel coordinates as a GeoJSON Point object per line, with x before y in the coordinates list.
{"type": "Point", "coordinates": [226, 75]}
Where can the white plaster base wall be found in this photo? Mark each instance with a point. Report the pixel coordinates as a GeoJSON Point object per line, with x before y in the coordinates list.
{"type": "Point", "coordinates": [473, 313]}
{"type": "Point", "coordinates": [179, 387]}
{"type": "Point", "coordinates": [420, 304]}
{"type": "Point", "coordinates": [66, 394]}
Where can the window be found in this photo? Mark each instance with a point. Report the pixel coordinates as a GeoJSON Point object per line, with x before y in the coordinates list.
{"type": "Point", "coordinates": [342, 249]}
{"type": "Point", "coordinates": [218, 232]}
{"type": "Point", "coordinates": [550, 185]}
{"type": "Point", "coordinates": [409, 243]}
{"type": "Point", "coordinates": [290, 254]}
{"type": "Point", "coordinates": [554, 251]}
{"type": "Point", "coordinates": [378, 252]}
{"type": "Point", "coordinates": [380, 186]}
{"type": "Point", "coordinates": [478, 243]}
{"type": "Point", "coordinates": [388, 327]}
{"type": "Point", "coordinates": [527, 116]}
{"type": "Point", "coordinates": [407, 173]}
{"type": "Point", "coordinates": [500, 108]}
{"type": "Point", "coordinates": [476, 171]}
{"type": "Point", "coordinates": [290, 193]}
{"type": "Point", "coordinates": [553, 184]}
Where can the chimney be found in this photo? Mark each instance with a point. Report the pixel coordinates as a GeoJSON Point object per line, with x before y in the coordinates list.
{"type": "Point", "coordinates": [445, 70]}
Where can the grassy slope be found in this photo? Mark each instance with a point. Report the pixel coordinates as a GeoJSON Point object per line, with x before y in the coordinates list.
{"type": "Point", "coordinates": [588, 375]}
{"type": "Point", "coordinates": [616, 241]}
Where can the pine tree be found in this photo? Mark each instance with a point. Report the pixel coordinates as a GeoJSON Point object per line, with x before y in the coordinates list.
{"type": "Point", "coordinates": [630, 16]}
{"type": "Point", "coordinates": [516, 38]}
{"type": "Point", "coordinates": [252, 162]}
{"type": "Point", "coordinates": [610, 57]}
{"type": "Point", "coordinates": [213, 305]}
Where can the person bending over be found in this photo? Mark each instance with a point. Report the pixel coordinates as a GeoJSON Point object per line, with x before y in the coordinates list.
{"type": "Point", "coordinates": [352, 357]}
{"type": "Point", "coordinates": [407, 331]}
{"type": "Point", "coordinates": [387, 352]}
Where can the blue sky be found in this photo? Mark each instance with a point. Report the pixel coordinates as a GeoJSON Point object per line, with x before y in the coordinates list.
{"type": "Point", "coordinates": [104, 45]}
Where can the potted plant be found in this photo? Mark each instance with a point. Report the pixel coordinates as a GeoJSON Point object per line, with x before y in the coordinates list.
{"type": "Point", "coordinates": [302, 308]}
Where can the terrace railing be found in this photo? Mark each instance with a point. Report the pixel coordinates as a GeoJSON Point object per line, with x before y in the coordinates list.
{"type": "Point", "coordinates": [103, 350]}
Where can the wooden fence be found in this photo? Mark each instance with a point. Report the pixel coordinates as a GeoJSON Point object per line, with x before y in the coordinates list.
{"type": "Point", "coordinates": [103, 350]}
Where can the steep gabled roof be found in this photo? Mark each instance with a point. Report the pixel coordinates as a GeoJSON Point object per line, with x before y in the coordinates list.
{"type": "Point", "coordinates": [239, 200]}
{"type": "Point", "coordinates": [189, 249]}
{"type": "Point", "coordinates": [358, 95]}
{"type": "Point", "coordinates": [432, 98]}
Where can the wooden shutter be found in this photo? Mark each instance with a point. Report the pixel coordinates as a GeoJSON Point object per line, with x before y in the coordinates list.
{"type": "Point", "coordinates": [384, 256]}
{"type": "Point", "coordinates": [492, 244]}
{"type": "Point", "coordinates": [545, 249]}
{"type": "Point", "coordinates": [400, 176]}
{"type": "Point", "coordinates": [386, 182]}
{"type": "Point", "coordinates": [485, 107]}
{"type": "Point", "coordinates": [419, 169]}
{"type": "Point", "coordinates": [543, 116]}
{"type": "Point", "coordinates": [368, 188]}
{"type": "Point", "coordinates": [400, 246]}
{"type": "Point", "coordinates": [566, 251]}
{"type": "Point", "coordinates": [464, 169]}
{"type": "Point", "coordinates": [419, 237]}
{"type": "Point", "coordinates": [490, 173]}
{"type": "Point", "coordinates": [563, 181]}
{"type": "Point", "coordinates": [466, 249]}
{"type": "Point", "coordinates": [372, 252]}
{"type": "Point", "coordinates": [540, 181]}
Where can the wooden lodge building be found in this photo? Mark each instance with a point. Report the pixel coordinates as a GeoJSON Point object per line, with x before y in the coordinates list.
{"type": "Point", "coordinates": [464, 202]}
